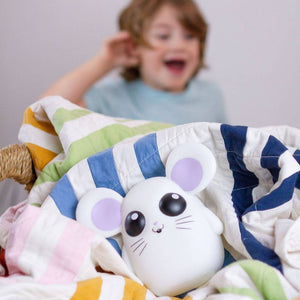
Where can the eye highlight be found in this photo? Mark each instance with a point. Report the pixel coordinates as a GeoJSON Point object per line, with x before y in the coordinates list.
{"type": "Point", "coordinates": [172, 204]}
{"type": "Point", "coordinates": [135, 223]}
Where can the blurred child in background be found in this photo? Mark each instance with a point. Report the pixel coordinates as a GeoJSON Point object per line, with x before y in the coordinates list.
{"type": "Point", "coordinates": [160, 49]}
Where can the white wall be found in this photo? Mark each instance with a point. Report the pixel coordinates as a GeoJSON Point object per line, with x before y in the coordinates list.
{"type": "Point", "coordinates": [253, 53]}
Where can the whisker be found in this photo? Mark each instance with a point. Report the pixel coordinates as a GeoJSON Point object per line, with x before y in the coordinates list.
{"type": "Point", "coordinates": [143, 249]}
{"type": "Point", "coordinates": [136, 242]}
{"type": "Point", "coordinates": [185, 222]}
{"type": "Point", "coordinates": [139, 246]}
{"type": "Point", "coordinates": [184, 228]}
{"type": "Point", "coordinates": [183, 218]}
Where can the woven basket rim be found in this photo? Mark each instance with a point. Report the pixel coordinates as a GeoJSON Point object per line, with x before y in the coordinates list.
{"type": "Point", "coordinates": [16, 163]}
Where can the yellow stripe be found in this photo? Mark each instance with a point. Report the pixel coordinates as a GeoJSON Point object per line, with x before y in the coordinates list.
{"type": "Point", "coordinates": [133, 290]}
{"type": "Point", "coordinates": [40, 155]}
{"type": "Point", "coordinates": [29, 118]}
{"type": "Point", "coordinates": [88, 289]}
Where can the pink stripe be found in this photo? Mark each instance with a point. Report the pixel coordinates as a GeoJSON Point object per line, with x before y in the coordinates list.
{"type": "Point", "coordinates": [69, 254]}
{"type": "Point", "coordinates": [18, 235]}
{"type": "Point", "coordinates": [11, 214]}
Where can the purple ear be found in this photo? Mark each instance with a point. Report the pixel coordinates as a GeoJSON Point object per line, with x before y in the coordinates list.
{"type": "Point", "coordinates": [106, 214]}
{"type": "Point", "coordinates": [192, 166]}
{"type": "Point", "coordinates": [100, 209]}
{"type": "Point", "coordinates": [187, 173]}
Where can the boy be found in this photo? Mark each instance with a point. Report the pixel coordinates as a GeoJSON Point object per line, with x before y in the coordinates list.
{"type": "Point", "coordinates": [160, 48]}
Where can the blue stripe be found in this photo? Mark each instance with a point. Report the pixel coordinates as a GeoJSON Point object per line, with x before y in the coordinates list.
{"type": "Point", "coordinates": [277, 197]}
{"type": "Point", "coordinates": [228, 258]}
{"type": "Point", "coordinates": [103, 170]}
{"type": "Point", "coordinates": [270, 155]}
{"type": "Point", "coordinates": [244, 182]}
{"type": "Point", "coordinates": [269, 160]}
{"type": "Point", "coordinates": [297, 157]}
{"type": "Point", "coordinates": [115, 244]}
{"type": "Point", "coordinates": [64, 197]}
{"type": "Point", "coordinates": [148, 158]}
{"type": "Point", "coordinates": [259, 251]}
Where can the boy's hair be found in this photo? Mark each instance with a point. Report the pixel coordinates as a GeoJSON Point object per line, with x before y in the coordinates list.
{"type": "Point", "coordinates": [134, 16]}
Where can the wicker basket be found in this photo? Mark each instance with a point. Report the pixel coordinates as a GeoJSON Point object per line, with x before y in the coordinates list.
{"type": "Point", "coordinates": [16, 163]}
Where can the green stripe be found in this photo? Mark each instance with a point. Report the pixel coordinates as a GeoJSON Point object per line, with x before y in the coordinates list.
{"type": "Point", "coordinates": [152, 126]}
{"type": "Point", "coordinates": [95, 142]}
{"type": "Point", "coordinates": [49, 173]}
{"type": "Point", "coordinates": [240, 291]}
{"type": "Point", "coordinates": [265, 279]}
{"type": "Point", "coordinates": [63, 115]}
{"type": "Point", "coordinates": [122, 120]}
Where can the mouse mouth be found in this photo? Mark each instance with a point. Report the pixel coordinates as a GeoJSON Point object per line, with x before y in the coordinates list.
{"type": "Point", "coordinates": [175, 65]}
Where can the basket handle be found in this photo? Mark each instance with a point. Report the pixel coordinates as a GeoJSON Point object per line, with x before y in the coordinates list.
{"type": "Point", "coordinates": [16, 163]}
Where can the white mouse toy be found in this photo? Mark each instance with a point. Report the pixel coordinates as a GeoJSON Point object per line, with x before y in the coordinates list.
{"type": "Point", "coordinates": [171, 240]}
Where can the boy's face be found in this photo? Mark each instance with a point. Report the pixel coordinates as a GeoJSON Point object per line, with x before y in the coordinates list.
{"type": "Point", "coordinates": [174, 54]}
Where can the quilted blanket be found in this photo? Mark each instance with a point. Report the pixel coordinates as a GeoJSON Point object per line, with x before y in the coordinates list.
{"type": "Point", "coordinates": [255, 193]}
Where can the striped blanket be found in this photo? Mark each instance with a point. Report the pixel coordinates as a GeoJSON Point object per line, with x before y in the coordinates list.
{"type": "Point", "coordinates": [255, 193]}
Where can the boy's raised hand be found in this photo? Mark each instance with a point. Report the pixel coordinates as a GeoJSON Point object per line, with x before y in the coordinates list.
{"type": "Point", "coordinates": [116, 51]}
{"type": "Point", "coordinates": [119, 51]}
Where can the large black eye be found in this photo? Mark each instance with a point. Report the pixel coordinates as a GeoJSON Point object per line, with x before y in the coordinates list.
{"type": "Point", "coordinates": [135, 223]}
{"type": "Point", "coordinates": [172, 204]}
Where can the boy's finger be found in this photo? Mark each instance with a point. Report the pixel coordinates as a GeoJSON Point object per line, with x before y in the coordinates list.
{"type": "Point", "coordinates": [120, 36]}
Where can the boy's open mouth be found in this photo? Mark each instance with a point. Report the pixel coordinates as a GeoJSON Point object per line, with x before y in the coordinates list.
{"type": "Point", "coordinates": [175, 65]}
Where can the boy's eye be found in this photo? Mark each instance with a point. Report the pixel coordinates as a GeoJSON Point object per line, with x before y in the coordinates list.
{"type": "Point", "coordinates": [189, 36]}
{"type": "Point", "coordinates": [162, 36]}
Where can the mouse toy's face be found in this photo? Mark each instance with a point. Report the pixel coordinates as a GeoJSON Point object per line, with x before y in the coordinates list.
{"type": "Point", "coordinates": [152, 212]}
{"type": "Point", "coordinates": [156, 211]}
{"type": "Point", "coordinates": [171, 240]}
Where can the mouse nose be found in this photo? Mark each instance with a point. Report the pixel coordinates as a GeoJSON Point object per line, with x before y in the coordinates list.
{"type": "Point", "coordinates": [157, 227]}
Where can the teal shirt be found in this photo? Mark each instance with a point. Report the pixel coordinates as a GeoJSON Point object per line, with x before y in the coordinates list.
{"type": "Point", "coordinates": [201, 101]}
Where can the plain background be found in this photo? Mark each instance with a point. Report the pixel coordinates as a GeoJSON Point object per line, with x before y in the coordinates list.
{"type": "Point", "coordinates": [252, 51]}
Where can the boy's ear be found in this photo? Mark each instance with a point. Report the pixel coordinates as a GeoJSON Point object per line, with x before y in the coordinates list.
{"type": "Point", "coordinates": [100, 210]}
{"type": "Point", "coordinates": [192, 166]}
